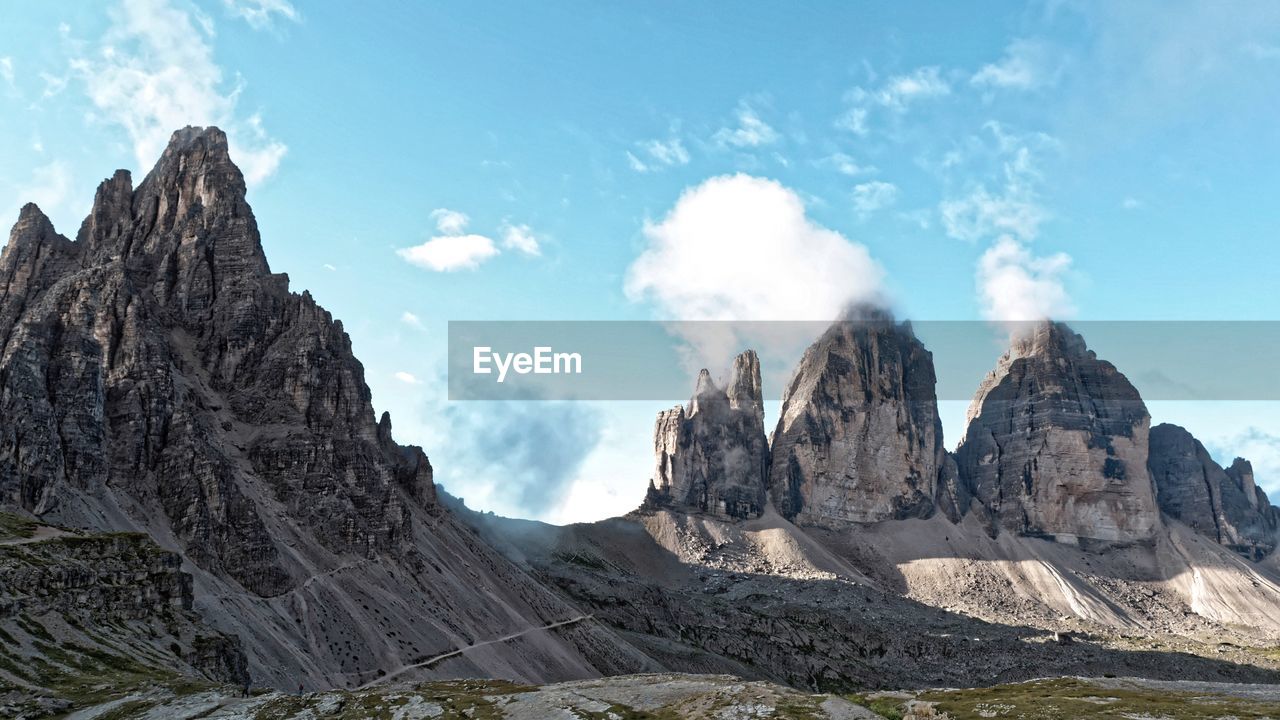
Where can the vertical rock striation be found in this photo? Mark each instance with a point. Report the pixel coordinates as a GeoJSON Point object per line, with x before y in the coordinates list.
{"type": "Point", "coordinates": [1224, 505]}
{"type": "Point", "coordinates": [1056, 444]}
{"type": "Point", "coordinates": [859, 438]}
{"type": "Point", "coordinates": [712, 456]}
{"type": "Point", "coordinates": [155, 374]}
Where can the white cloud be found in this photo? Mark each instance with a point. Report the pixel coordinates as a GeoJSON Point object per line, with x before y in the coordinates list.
{"type": "Point", "coordinates": [1259, 447]}
{"type": "Point", "coordinates": [667, 152]}
{"type": "Point", "coordinates": [411, 320]}
{"type": "Point", "coordinates": [871, 196]}
{"type": "Point", "coordinates": [53, 84]}
{"type": "Point", "coordinates": [855, 121]}
{"type": "Point", "coordinates": [329, 267]}
{"type": "Point", "coordinates": [521, 238]}
{"type": "Point", "coordinates": [6, 70]}
{"type": "Point", "coordinates": [1014, 207]}
{"type": "Point", "coordinates": [1023, 67]}
{"type": "Point", "coordinates": [900, 91]}
{"type": "Point", "coordinates": [983, 214]}
{"type": "Point", "coordinates": [1015, 285]}
{"type": "Point", "coordinates": [636, 163]}
{"type": "Point", "coordinates": [739, 247]}
{"type": "Point", "coordinates": [845, 165]}
{"type": "Point", "coordinates": [262, 13]}
{"type": "Point", "coordinates": [450, 222]}
{"type": "Point", "coordinates": [1131, 203]}
{"type": "Point", "coordinates": [751, 131]}
{"type": "Point", "coordinates": [407, 378]}
{"type": "Point", "coordinates": [154, 73]}
{"type": "Point", "coordinates": [447, 253]}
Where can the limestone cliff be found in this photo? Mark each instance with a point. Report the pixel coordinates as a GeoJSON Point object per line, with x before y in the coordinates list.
{"type": "Point", "coordinates": [1056, 444]}
{"type": "Point", "coordinates": [712, 455]}
{"type": "Point", "coordinates": [1224, 505]}
{"type": "Point", "coordinates": [859, 438]}
{"type": "Point", "coordinates": [155, 375]}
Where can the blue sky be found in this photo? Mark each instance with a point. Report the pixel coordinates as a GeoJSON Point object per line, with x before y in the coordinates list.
{"type": "Point", "coordinates": [420, 162]}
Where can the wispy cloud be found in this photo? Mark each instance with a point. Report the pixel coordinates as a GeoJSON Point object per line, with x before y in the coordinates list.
{"type": "Point", "coordinates": [750, 132]}
{"type": "Point", "coordinates": [1026, 65]}
{"type": "Point", "coordinates": [261, 14]}
{"type": "Point", "coordinates": [658, 154]}
{"type": "Point", "coordinates": [154, 72]}
{"type": "Point", "coordinates": [845, 165]}
{"type": "Point", "coordinates": [407, 378]}
{"type": "Point", "coordinates": [871, 196]}
{"type": "Point", "coordinates": [450, 222]}
{"type": "Point", "coordinates": [1013, 207]}
{"type": "Point", "coordinates": [453, 248]}
{"type": "Point", "coordinates": [411, 320]}
{"type": "Point", "coordinates": [899, 91]}
{"type": "Point", "coordinates": [6, 70]}
{"type": "Point", "coordinates": [521, 239]}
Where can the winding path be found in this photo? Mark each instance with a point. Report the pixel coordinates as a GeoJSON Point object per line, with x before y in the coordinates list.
{"type": "Point", "coordinates": [459, 651]}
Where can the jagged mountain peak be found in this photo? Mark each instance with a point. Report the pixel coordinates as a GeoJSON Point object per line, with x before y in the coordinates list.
{"type": "Point", "coordinates": [859, 438]}
{"type": "Point", "coordinates": [712, 455]}
{"type": "Point", "coordinates": [1056, 443]}
{"type": "Point", "coordinates": [1047, 337]}
{"type": "Point", "coordinates": [156, 376]}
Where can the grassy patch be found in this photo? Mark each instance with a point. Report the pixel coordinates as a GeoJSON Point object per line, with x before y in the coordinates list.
{"type": "Point", "coordinates": [15, 526]}
{"type": "Point", "coordinates": [886, 707]}
{"type": "Point", "coordinates": [1068, 699]}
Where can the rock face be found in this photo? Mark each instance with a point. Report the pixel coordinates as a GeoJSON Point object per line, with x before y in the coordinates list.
{"type": "Point", "coordinates": [90, 586]}
{"type": "Point", "coordinates": [859, 438]}
{"type": "Point", "coordinates": [1224, 505]}
{"type": "Point", "coordinates": [156, 375]}
{"type": "Point", "coordinates": [1056, 444]}
{"type": "Point", "coordinates": [712, 456]}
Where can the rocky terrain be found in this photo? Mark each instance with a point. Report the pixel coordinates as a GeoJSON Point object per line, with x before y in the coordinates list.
{"type": "Point", "coordinates": [859, 438]}
{"type": "Point", "coordinates": [85, 616]}
{"type": "Point", "coordinates": [1057, 444]}
{"type": "Point", "coordinates": [157, 377]}
{"type": "Point", "coordinates": [881, 560]}
{"type": "Point", "coordinates": [1223, 505]}
{"type": "Point", "coordinates": [198, 494]}
{"type": "Point", "coordinates": [712, 454]}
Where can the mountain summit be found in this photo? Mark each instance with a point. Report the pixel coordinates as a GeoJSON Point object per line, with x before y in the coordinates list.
{"type": "Point", "coordinates": [156, 375]}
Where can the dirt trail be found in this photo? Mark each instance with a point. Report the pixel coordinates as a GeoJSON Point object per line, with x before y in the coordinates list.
{"type": "Point", "coordinates": [43, 532]}
{"type": "Point", "coordinates": [431, 661]}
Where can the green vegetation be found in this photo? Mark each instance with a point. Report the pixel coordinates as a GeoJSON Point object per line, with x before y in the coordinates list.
{"type": "Point", "coordinates": [1071, 699]}
{"type": "Point", "coordinates": [15, 526]}
{"type": "Point", "coordinates": [886, 707]}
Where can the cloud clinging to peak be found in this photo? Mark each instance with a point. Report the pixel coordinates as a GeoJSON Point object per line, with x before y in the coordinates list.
{"type": "Point", "coordinates": [740, 247]}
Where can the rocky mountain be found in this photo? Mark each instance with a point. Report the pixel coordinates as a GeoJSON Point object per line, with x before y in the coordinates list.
{"type": "Point", "coordinates": [207, 443]}
{"type": "Point", "coordinates": [1056, 444]}
{"type": "Point", "coordinates": [84, 615]}
{"type": "Point", "coordinates": [1224, 505]}
{"type": "Point", "coordinates": [156, 376]}
{"type": "Point", "coordinates": [859, 438]}
{"type": "Point", "coordinates": [712, 455]}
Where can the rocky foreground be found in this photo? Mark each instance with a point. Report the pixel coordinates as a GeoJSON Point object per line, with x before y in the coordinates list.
{"type": "Point", "coordinates": [667, 696]}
